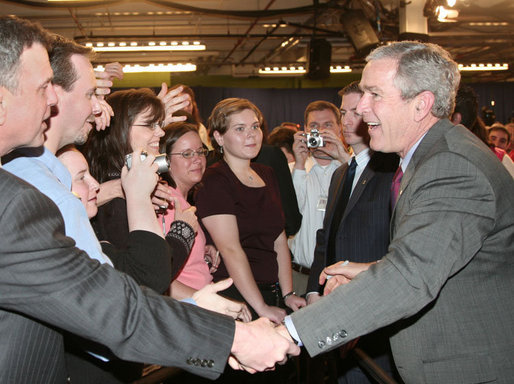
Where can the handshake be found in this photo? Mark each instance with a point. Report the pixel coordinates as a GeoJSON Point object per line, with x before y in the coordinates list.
{"type": "Point", "coordinates": [259, 345]}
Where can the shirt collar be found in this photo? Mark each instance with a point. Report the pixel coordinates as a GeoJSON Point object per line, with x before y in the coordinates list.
{"type": "Point", "coordinates": [404, 163]}
{"type": "Point", "coordinates": [362, 158]}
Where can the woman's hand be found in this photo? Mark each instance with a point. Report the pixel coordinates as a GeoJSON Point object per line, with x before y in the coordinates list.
{"type": "Point", "coordinates": [208, 298]}
{"type": "Point", "coordinates": [142, 177]}
{"type": "Point", "coordinates": [275, 314]}
{"type": "Point", "coordinates": [212, 257]}
{"type": "Point", "coordinates": [173, 101]}
{"type": "Point", "coordinates": [161, 196]}
{"type": "Point", "coordinates": [188, 215]}
{"type": "Point", "coordinates": [294, 302]}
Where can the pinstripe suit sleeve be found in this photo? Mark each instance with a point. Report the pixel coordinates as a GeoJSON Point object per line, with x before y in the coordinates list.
{"type": "Point", "coordinates": [42, 275]}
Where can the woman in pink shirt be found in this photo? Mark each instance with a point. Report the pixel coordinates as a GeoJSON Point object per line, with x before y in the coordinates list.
{"type": "Point", "coordinates": [187, 155]}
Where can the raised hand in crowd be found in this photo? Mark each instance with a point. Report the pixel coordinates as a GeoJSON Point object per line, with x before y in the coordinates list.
{"type": "Point", "coordinates": [103, 87]}
{"type": "Point", "coordinates": [300, 150]}
{"type": "Point", "coordinates": [334, 146]}
{"type": "Point", "coordinates": [173, 100]}
{"type": "Point", "coordinates": [138, 183]}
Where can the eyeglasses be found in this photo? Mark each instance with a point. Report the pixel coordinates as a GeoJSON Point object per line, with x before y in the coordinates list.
{"type": "Point", "coordinates": [153, 126]}
{"type": "Point", "coordinates": [189, 153]}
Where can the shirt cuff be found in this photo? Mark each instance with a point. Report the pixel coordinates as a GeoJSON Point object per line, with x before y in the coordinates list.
{"type": "Point", "coordinates": [189, 300]}
{"type": "Point", "coordinates": [288, 322]}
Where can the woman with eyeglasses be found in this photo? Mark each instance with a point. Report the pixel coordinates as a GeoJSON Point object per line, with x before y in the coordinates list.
{"type": "Point", "coordinates": [136, 125]}
{"type": "Point", "coordinates": [187, 160]}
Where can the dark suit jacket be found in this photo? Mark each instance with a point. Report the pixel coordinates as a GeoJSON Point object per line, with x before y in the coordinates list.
{"type": "Point", "coordinates": [363, 233]}
{"type": "Point", "coordinates": [47, 285]}
{"type": "Point", "coordinates": [447, 279]}
{"type": "Point", "coordinates": [362, 236]}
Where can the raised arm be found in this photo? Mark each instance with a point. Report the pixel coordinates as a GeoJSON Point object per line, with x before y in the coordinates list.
{"type": "Point", "coordinates": [138, 184]}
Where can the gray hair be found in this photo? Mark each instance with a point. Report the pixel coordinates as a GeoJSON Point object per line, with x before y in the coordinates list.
{"type": "Point", "coordinates": [423, 67]}
{"type": "Point", "coordinates": [15, 35]}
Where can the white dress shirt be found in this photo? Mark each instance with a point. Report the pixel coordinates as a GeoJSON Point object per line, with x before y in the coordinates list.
{"type": "Point", "coordinates": [362, 160]}
{"type": "Point", "coordinates": [311, 187]}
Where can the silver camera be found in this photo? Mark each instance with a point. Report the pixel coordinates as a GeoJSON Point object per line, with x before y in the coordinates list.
{"type": "Point", "coordinates": [314, 140]}
{"type": "Point", "coordinates": [161, 160]}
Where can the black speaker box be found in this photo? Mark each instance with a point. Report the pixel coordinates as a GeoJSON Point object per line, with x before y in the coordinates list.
{"type": "Point", "coordinates": [320, 54]}
{"type": "Point", "coordinates": [359, 31]}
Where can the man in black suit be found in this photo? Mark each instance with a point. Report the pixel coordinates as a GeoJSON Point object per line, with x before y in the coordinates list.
{"type": "Point", "coordinates": [356, 223]}
{"type": "Point", "coordinates": [48, 285]}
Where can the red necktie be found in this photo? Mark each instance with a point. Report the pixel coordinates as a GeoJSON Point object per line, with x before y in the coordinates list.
{"type": "Point", "coordinates": [395, 186]}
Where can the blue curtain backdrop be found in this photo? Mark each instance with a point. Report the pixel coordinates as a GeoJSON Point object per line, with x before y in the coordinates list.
{"type": "Point", "coordinates": [279, 105]}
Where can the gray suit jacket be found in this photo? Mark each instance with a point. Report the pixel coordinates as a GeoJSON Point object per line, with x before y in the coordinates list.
{"type": "Point", "coordinates": [448, 277]}
{"type": "Point", "coordinates": [47, 285]}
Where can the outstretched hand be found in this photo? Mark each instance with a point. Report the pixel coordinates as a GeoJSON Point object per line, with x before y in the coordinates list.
{"type": "Point", "coordinates": [208, 298]}
{"type": "Point", "coordinates": [340, 273]}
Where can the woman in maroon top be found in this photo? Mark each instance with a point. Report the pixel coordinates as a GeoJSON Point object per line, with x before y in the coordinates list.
{"type": "Point", "coordinates": [239, 205]}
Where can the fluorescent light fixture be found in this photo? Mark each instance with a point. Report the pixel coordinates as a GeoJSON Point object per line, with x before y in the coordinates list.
{"type": "Point", "coordinates": [134, 46]}
{"type": "Point", "coordinates": [137, 68]}
{"type": "Point", "coordinates": [484, 67]}
{"type": "Point", "coordinates": [340, 69]}
{"type": "Point", "coordinates": [282, 70]}
{"type": "Point", "coordinates": [299, 70]}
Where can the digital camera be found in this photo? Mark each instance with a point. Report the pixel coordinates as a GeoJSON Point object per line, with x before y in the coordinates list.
{"type": "Point", "coordinates": [161, 160]}
{"type": "Point", "coordinates": [314, 140]}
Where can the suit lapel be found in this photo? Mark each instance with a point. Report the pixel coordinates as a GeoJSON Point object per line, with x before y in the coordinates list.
{"type": "Point", "coordinates": [366, 176]}
{"type": "Point", "coordinates": [425, 149]}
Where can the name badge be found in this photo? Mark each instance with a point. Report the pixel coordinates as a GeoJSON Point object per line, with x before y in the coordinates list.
{"type": "Point", "coordinates": [322, 203]}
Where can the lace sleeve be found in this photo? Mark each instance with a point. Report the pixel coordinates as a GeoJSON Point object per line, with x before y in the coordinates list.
{"type": "Point", "coordinates": [183, 232]}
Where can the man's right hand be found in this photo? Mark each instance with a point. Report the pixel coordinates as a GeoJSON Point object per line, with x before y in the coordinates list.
{"type": "Point", "coordinates": [258, 346]}
{"type": "Point", "coordinates": [312, 298]}
{"type": "Point", "coordinates": [300, 150]}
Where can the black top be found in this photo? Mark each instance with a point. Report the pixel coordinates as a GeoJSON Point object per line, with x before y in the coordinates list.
{"type": "Point", "coordinates": [147, 264]}
{"type": "Point", "coordinates": [258, 212]}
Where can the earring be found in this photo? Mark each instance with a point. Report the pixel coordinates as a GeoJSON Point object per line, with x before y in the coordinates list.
{"type": "Point", "coordinates": [221, 149]}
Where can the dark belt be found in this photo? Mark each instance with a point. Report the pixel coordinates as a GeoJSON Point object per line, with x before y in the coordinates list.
{"type": "Point", "coordinates": [269, 287]}
{"type": "Point", "coordinates": [301, 269]}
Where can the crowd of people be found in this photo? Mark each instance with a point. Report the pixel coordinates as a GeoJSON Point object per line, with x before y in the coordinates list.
{"type": "Point", "coordinates": [139, 235]}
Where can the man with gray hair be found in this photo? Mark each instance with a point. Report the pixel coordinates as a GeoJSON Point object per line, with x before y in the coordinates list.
{"type": "Point", "coordinates": [446, 281]}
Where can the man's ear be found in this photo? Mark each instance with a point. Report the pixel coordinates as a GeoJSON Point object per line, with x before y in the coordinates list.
{"type": "Point", "coordinates": [456, 118]}
{"type": "Point", "coordinates": [423, 104]}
